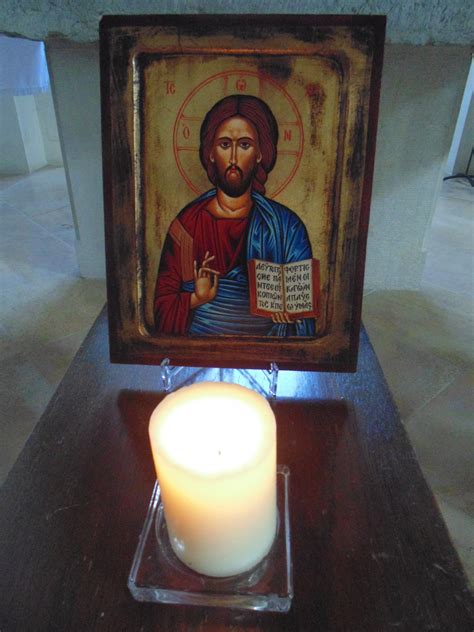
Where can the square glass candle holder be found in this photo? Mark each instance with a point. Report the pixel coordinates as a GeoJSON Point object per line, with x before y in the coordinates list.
{"type": "Point", "coordinates": [157, 575]}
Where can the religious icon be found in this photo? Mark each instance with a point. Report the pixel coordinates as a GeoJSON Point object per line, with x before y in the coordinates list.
{"type": "Point", "coordinates": [237, 174]}
{"type": "Point", "coordinates": [233, 231]}
{"type": "Point", "coordinates": [275, 292]}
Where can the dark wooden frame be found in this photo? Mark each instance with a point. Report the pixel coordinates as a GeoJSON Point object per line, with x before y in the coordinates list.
{"type": "Point", "coordinates": [122, 38]}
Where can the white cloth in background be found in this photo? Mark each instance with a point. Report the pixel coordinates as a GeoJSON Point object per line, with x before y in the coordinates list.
{"type": "Point", "coordinates": [23, 68]}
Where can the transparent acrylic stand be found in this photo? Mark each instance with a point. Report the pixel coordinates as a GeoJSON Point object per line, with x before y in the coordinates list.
{"type": "Point", "coordinates": [264, 381]}
{"type": "Point", "coordinates": [157, 575]}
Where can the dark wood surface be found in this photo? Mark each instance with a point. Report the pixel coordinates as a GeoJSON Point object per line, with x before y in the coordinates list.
{"type": "Point", "coordinates": [370, 549]}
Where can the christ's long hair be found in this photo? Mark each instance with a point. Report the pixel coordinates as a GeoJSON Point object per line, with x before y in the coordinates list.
{"type": "Point", "coordinates": [261, 117]}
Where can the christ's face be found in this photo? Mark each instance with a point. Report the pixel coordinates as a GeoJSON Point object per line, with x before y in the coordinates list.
{"type": "Point", "coordinates": [236, 154]}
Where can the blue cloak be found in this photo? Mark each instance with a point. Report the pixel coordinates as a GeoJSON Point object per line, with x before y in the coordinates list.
{"type": "Point", "coordinates": [276, 234]}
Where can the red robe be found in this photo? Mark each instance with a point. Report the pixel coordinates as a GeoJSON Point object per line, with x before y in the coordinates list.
{"type": "Point", "coordinates": [194, 232]}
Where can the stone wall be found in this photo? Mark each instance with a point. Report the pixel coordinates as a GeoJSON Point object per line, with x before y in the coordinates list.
{"type": "Point", "coordinates": [421, 93]}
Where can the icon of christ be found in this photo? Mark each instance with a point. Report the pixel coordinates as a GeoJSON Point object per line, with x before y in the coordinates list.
{"type": "Point", "coordinates": [233, 231]}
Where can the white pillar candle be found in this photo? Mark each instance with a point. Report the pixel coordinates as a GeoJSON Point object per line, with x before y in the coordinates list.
{"type": "Point", "coordinates": [214, 448]}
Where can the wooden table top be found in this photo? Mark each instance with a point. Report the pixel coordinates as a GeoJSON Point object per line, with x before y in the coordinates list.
{"type": "Point", "coordinates": [370, 549]}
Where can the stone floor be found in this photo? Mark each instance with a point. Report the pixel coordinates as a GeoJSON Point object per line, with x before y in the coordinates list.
{"type": "Point", "coordinates": [424, 339]}
{"type": "Point", "coordinates": [425, 343]}
{"type": "Point", "coordinates": [46, 308]}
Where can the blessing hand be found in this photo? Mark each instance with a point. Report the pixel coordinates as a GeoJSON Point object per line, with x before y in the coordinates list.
{"type": "Point", "coordinates": [206, 282]}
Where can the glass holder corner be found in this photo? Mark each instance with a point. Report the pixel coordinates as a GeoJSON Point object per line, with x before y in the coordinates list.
{"type": "Point", "coordinates": [158, 576]}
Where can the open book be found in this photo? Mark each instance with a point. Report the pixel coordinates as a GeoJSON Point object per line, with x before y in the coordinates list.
{"type": "Point", "coordinates": [284, 287]}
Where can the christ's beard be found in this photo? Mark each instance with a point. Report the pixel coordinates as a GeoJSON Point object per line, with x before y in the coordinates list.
{"type": "Point", "coordinates": [237, 184]}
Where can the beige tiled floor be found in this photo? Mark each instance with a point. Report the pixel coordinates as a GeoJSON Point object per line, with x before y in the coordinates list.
{"type": "Point", "coordinates": [424, 339]}
{"type": "Point", "coordinates": [425, 343]}
{"type": "Point", "coordinates": [46, 309]}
